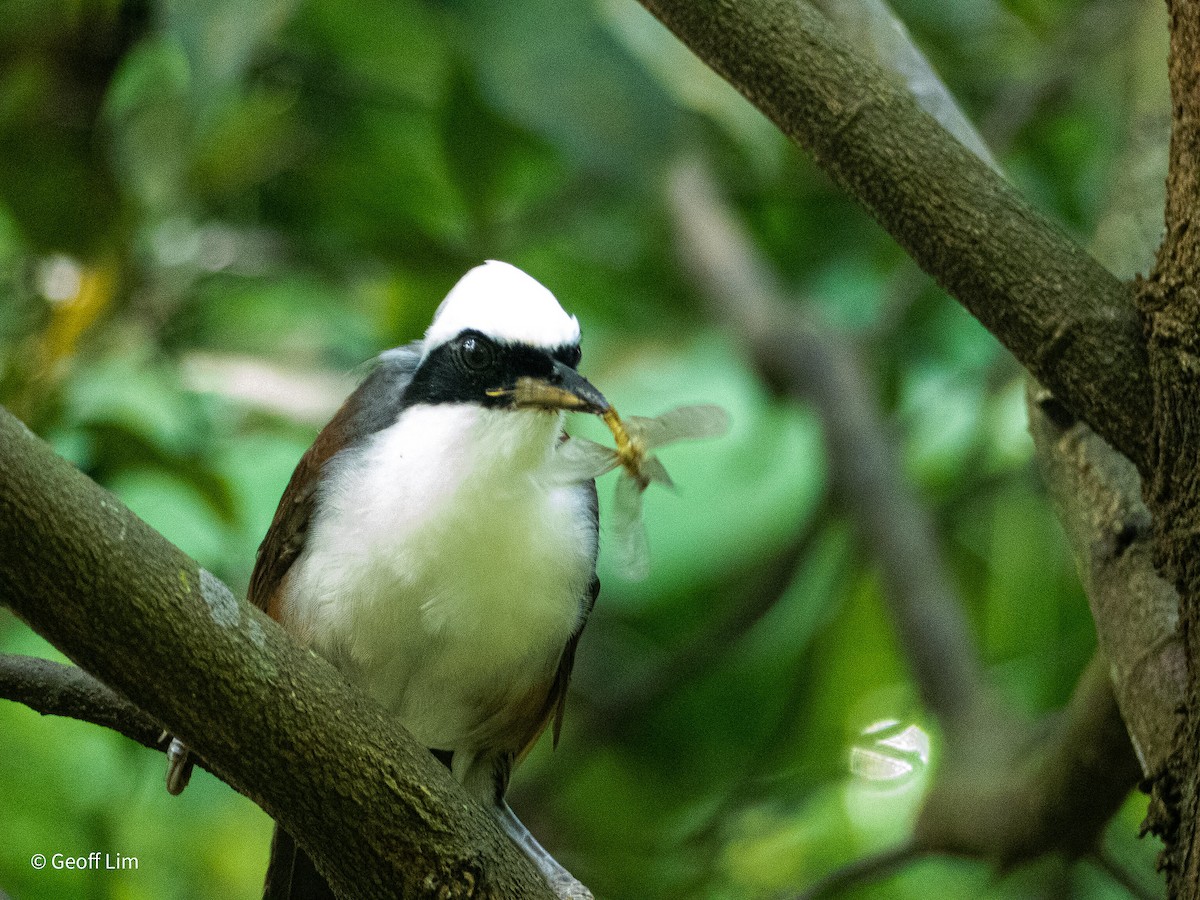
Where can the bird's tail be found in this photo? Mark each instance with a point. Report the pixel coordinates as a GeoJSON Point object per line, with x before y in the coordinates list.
{"type": "Point", "coordinates": [291, 875]}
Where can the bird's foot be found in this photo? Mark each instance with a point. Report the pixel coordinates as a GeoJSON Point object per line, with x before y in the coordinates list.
{"type": "Point", "coordinates": [567, 887]}
{"type": "Point", "coordinates": [179, 766]}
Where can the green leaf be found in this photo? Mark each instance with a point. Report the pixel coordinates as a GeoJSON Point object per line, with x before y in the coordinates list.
{"type": "Point", "coordinates": [145, 399]}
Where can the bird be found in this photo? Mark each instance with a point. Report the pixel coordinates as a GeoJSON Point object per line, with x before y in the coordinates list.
{"type": "Point", "coordinates": [426, 548]}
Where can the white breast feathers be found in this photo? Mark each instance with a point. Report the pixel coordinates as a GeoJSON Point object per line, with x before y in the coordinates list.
{"type": "Point", "coordinates": [444, 569]}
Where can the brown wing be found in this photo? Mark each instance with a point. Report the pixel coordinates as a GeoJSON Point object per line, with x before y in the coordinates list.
{"type": "Point", "coordinates": [285, 538]}
{"type": "Point", "coordinates": [373, 406]}
{"type": "Point", "coordinates": [556, 699]}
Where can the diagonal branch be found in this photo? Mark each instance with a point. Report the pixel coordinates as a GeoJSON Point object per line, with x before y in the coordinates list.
{"type": "Point", "coordinates": [1066, 318]}
{"type": "Point", "coordinates": [1009, 800]}
{"type": "Point", "coordinates": [1097, 495]}
{"type": "Point", "coordinates": [376, 812]}
{"type": "Point", "coordinates": [1007, 791]}
{"type": "Point", "coordinates": [793, 353]}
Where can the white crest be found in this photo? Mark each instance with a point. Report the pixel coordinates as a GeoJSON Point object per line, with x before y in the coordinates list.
{"type": "Point", "coordinates": [504, 303]}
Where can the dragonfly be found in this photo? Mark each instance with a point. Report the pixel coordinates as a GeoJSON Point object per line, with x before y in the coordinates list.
{"type": "Point", "coordinates": [579, 459]}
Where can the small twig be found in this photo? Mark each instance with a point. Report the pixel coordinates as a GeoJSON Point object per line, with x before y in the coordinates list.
{"type": "Point", "coordinates": [751, 770]}
{"type": "Point", "coordinates": [859, 871]}
{"type": "Point", "coordinates": [55, 689]}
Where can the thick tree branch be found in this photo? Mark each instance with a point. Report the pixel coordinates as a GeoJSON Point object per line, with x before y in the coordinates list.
{"type": "Point", "coordinates": [1067, 319]}
{"type": "Point", "coordinates": [379, 816]}
{"type": "Point", "coordinates": [1169, 303]}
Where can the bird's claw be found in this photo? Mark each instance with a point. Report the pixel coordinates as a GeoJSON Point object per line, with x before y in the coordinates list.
{"type": "Point", "coordinates": [567, 887]}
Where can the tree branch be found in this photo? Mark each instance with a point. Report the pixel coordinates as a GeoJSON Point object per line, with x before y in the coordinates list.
{"type": "Point", "coordinates": [1066, 318]}
{"type": "Point", "coordinates": [1015, 792]}
{"type": "Point", "coordinates": [54, 689]}
{"type": "Point", "coordinates": [1125, 879]}
{"type": "Point", "coordinates": [1097, 496]}
{"type": "Point", "coordinates": [862, 871]}
{"type": "Point", "coordinates": [807, 361]}
{"type": "Point", "coordinates": [378, 815]}
{"type": "Point", "coordinates": [1007, 791]}
{"type": "Point", "coordinates": [1009, 800]}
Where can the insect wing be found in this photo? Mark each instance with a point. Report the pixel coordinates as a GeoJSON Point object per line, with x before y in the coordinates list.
{"type": "Point", "coordinates": [651, 470]}
{"type": "Point", "coordinates": [628, 529]}
{"type": "Point", "coordinates": [684, 423]}
{"type": "Point", "coordinates": [578, 459]}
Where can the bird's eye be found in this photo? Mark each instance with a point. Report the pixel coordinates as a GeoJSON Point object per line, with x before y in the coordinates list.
{"type": "Point", "coordinates": [477, 353]}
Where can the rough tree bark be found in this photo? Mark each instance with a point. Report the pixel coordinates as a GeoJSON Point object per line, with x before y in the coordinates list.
{"type": "Point", "coordinates": [271, 718]}
{"type": "Point", "coordinates": [1169, 303]}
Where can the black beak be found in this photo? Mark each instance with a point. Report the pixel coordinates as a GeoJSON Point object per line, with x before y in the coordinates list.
{"type": "Point", "coordinates": [563, 389]}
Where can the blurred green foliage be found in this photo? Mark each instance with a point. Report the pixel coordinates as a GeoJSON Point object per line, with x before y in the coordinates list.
{"type": "Point", "coordinates": [212, 213]}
